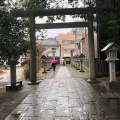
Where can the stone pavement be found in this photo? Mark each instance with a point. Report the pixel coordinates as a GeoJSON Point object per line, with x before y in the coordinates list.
{"type": "Point", "coordinates": [65, 96]}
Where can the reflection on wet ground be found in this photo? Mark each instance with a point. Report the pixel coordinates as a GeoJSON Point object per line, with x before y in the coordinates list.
{"type": "Point", "coordinates": [67, 97]}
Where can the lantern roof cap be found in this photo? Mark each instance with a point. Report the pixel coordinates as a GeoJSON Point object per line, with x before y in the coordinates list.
{"type": "Point", "coordinates": [43, 56]}
{"type": "Point", "coordinates": [111, 46]}
{"type": "Point", "coordinates": [81, 55]}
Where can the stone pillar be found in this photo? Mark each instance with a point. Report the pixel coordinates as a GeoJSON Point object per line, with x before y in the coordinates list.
{"type": "Point", "coordinates": [14, 84]}
{"type": "Point", "coordinates": [33, 75]}
{"type": "Point", "coordinates": [13, 76]}
{"type": "Point", "coordinates": [96, 67]}
{"type": "Point", "coordinates": [112, 71]}
{"type": "Point", "coordinates": [53, 51]}
{"type": "Point", "coordinates": [45, 64]}
{"type": "Point", "coordinates": [79, 52]}
{"type": "Point", "coordinates": [53, 54]}
{"type": "Point", "coordinates": [92, 78]}
{"type": "Point", "coordinates": [71, 61]}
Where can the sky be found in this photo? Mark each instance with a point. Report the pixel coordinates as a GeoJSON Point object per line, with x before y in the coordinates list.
{"type": "Point", "coordinates": [51, 33]}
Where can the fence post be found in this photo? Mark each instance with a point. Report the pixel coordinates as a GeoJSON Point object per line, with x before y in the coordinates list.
{"type": "Point", "coordinates": [96, 67]}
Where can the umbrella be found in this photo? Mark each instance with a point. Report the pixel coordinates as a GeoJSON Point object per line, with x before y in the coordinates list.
{"type": "Point", "coordinates": [53, 61]}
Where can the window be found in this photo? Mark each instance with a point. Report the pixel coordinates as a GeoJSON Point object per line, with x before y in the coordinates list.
{"type": "Point", "coordinates": [67, 52]}
{"type": "Point", "coordinates": [68, 42]}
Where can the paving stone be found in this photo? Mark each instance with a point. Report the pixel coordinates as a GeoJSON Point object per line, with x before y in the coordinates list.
{"type": "Point", "coordinates": [34, 93]}
{"type": "Point", "coordinates": [117, 95]}
{"type": "Point", "coordinates": [66, 97]}
{"type": "Point", "coordinates": [62, 118]}
{"type": "Point", "coordinates": [52, 97]}
{"type": "Point", "coordinates": [62, 93]}
{"type": "Point", "coordinates": [30, 118]}
{"type": "Point", "coordinates": [46, 114]}
{"type": "Point", "coordinates": [73, 95]}
{"type": "Point", "coordinates": [29, 100]}
{"type": "Point", "coordinates": [109, 95]}
{"type": "Point", "coordinates": [77, 113]}
{"type": "Point", "coordinates": [39, 101]}
{"type": "Point", "coordinates": [75, 103]}
{"type": "Point", "coordinates": [62, 100]}
{"type": "Point", "coordinates": [62, 111]}
{"type": "Point", "coordinates": [50, 105]}
{"type": "Point", "coordinates": [53, 92]}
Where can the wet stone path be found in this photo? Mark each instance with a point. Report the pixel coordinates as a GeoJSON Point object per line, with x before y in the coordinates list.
{"type": "Point", "coordinates": [64, 97]}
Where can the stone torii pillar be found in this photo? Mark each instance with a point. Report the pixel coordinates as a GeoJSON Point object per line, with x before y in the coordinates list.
{"type": "Point", "coordinates": [33, 70]}
{"type": "Point", "coordinates": [92, 70]}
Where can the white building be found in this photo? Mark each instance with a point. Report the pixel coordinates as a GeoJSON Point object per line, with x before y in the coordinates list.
{"type": "Point", "coordinates": [49, 44]}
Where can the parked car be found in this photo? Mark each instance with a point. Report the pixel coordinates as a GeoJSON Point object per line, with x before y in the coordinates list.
{"type": "Point", "coordinates": [21, 62]}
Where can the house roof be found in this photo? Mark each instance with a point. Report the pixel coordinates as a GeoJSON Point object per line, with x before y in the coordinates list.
{"type": "Point", "coordinates": [49, 42]}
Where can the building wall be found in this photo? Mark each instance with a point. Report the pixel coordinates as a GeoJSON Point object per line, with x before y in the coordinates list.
{"type": "Point", "coordinates": [64, 47]}
{"type": "Point", "coordinates": [83, 33]}
{"type": "Point", "coordinates": [48, 51]}
{"type": "Point", "coordinates": [77, 35]}
{"type": "Point", "coordinates": [49, 44]}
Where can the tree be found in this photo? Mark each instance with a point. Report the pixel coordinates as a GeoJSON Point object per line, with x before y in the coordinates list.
{"type": "Point", "coordinates": [108, 23]}
{"type": "Point", "coordinates": [13, 37]}
{"type": "Point", "coordinates": [28, 5]}
{"type": "Point", "coordinates": [107, 18]}
{"type": "Point", "coordinates": [40, 49]}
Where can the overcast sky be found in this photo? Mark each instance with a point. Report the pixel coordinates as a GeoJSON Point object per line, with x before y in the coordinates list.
{"type": "Point", "coordinates": [54, 32]}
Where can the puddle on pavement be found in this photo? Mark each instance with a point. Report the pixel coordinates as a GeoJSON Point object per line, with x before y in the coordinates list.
{"type": "Point", "coordinates": [16, 115]}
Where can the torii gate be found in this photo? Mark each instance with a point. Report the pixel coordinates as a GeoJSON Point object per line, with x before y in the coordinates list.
{"type": "Point", "coordinates": [69, 11]}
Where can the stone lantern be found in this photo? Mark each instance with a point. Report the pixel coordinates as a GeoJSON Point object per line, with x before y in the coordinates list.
{"type": "Point", "coordinates": [44, 63]}
{"type": "Point", "coordinates": [71, 60]}
{"type": "Point", "coordinates": [77, 62]}
{"type": "Point", "coordinates": [111, 51]}
{"type": "Point", "coordinates": [53, 51]}
{"type": "Point", "coordinates": [78, 46]}
{"type": "Point", "coordinates": [81, 57]}
{"type": "Point", "coordinates": [75, 59]}
{"type": "Point", "coordinates": [48, 63]}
